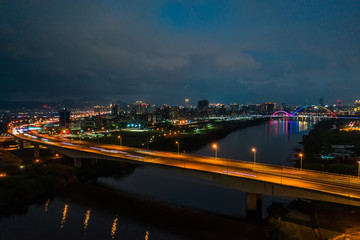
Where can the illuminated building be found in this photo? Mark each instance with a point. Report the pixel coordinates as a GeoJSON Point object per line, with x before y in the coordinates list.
{"type": "Point", "coordinates": [339, 103]}
{"type": "Point", "coordinates": [234, 106]}
{"type": "Point", "coordinates": [139, 107]}
{"type": "Point", "coordinates": [357, 106]}
{"type": "Point", "coordinates": [186, 103]}
{"type": "Point", "coordinates": [114, 109]}
{"type": "Point", "coordinates": [268, 107]}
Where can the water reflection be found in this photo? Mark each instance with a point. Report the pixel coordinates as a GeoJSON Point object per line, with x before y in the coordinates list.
{"type": "Point", "coordinates": [147, 235]}
{"type": "Point", "coordinates": [87, 218]}
{"type": "Point", "coordinates": [113, 229]}
{"type": "Point", "coordinates": [273, 145]}
{"type": "Point", "coordinates": [46, 205]}
{"type": "Point", "coordinates": [63, 219]}
{"type": "Point", "coordinates": [275, 141]}
{"type": "Point", "coordinates": [286, 126]}
{"type": "Point", "coordinates": [86, 221]}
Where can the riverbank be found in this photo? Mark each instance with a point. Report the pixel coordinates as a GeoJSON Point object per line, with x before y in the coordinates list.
{"type": "Point", "coordinates": [328, 148]}
{"type": "Point", "coordinates": [34, 178]}
{"type": "Point", "coordinates": [312, 220]}
{"type": "Point", "coordinates": [184, 222]}
{"type": "Point", "coordinates": [29, 183]}
{"type": "Point", "coordinates": [188, 140]}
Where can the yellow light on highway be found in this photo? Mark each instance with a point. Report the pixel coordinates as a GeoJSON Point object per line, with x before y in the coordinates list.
{"type": "Point", "coordinates": [253, 149]}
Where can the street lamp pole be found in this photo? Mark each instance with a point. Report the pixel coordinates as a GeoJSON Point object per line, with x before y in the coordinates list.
{"type": "Point", "coordinates": [178, 145]}
{"type": "Point", "coordinates": [254, 151]}
{"type": "Point", "coordinates": [358, 168]}
{"type": "Point", "coordinates": [215, 147]}
{"type": "Point", "coordinates": [301, 157]}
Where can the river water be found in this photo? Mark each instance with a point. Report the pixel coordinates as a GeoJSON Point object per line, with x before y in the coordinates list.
{"type": "Point", "coordinates": [95, 211]}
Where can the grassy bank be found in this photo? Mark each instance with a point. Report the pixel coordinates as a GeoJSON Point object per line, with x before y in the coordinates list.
{"type": "Point", "coordinates": [189, 140]}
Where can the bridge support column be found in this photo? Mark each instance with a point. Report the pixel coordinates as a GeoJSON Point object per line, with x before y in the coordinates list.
{"type": "Point", "coordinates": [77, 162]}
{"type": "Point", "coordinates": [36, 151]}
{"type": "Point", "coordinates": [254, 206]}
{"type": "Point", "coordinates": [21, 144]}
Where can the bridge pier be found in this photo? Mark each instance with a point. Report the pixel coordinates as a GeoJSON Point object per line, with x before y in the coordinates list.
{"type": "Point", "coordinates": [77, 162]}
{"type": "Point", "coordinates": [36, 151]}
{"type": "Point", "coordinates": [253, 206]}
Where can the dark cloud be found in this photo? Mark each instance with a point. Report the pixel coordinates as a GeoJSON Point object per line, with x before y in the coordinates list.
{"type": "Point", "coordinates": [149, 50]}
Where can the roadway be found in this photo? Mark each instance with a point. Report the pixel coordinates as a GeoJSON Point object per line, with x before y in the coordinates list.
{"type": "Point", "coordinates": [334, 184]}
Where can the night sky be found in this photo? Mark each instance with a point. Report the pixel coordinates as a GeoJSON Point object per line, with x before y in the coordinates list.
{"type": "Point", "coordinates": [165, 51]}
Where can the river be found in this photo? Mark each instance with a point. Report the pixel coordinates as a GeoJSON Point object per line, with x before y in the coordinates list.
{"type": "Point", "coordinates": [152, 203]}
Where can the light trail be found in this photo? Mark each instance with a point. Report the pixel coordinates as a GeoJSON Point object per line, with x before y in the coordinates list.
{"type": "Point", "coordinates": [343, 185]}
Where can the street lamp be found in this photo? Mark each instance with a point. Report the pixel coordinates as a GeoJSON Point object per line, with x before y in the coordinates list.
{"type": "Point", "coordinates": [254, 151]}
{"type": "Point", "coordinates": [178, 145]}
{"type": "Point", "coordinates": [215, 147]}
{"type": "Point", "coordinates": [120, 138]}
{"type": "Point", "coordinates": [301, 157]}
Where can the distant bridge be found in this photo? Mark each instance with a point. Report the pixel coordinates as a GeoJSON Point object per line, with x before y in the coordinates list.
{"type": "Point", "coordinates": [282, 113]}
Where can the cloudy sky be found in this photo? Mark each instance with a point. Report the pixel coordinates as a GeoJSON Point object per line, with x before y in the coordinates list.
{"type": "Point", "coordinates": [292, 51]}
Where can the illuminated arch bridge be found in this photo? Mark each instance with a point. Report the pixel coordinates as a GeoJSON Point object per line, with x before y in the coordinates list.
{"type": "Point", "coordinates": [307, 106]}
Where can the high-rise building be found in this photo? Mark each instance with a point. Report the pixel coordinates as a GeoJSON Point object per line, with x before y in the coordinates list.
{"type": "Point", "coordinates": [234, 106]}
{"type": "Point", "coordinates": [268, 107]}
{"type": "Point", "coordinates": [114, 109]}
{"type": "Point", "coordinates": [321, 102]}
{"type": "Point", "coordinates": [339, 103]}
{"type": "Point", "coordinates": [64, 118]}
{"type": "Point", "coordinates": [186, 103]}
{"type": "Point", "coordinates": [203, 105]}
{"type": "Point", "coordinates": [138, 107]}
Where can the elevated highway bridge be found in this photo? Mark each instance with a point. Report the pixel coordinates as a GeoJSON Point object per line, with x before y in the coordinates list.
{"type": "Point", "coordinates": [255, 179]}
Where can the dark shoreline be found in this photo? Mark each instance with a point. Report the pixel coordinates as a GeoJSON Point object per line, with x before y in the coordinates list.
{"type": "Point", "coordinates": [187, 222]}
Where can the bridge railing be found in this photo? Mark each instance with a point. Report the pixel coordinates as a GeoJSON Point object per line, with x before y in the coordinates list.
{"type": "Point", "coordinates": [249, 164]}
{"type": "Point", "coordinates": [277, 167]}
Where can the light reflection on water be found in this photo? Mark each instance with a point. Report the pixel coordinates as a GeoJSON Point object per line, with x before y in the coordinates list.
{"type": "Point", "coordinates": [47, 205]}
{"type": "Point", "coordinates": [274, 141]}
{"type": "Point", "coordinates": [39, 224]}
{"type": "Point", "coordinates": [63, 219]}
{"type": "Point", "coordinates": [87, 218]}
{"type": "Point", "coordinates": [113, 229]}
{"type": "Point", "coordinates": [286, 126]}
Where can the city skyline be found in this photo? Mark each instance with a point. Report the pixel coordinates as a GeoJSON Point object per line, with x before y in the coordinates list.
{"type": "Point", "coordinates": [178, 119]}
{"type": "Point", "coordinates": [226, 51]}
